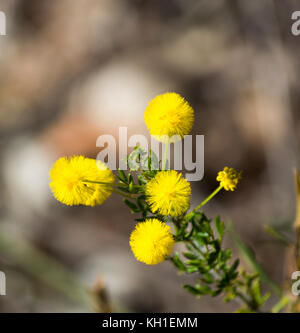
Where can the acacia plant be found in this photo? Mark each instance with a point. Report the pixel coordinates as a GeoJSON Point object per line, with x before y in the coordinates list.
{"type": "Point", "coordinates": [161, 198]}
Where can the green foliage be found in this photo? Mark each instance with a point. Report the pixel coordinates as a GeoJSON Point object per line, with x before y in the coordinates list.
{"type": "Point", "coordinates": [140, 159]}
{"type": "Point", "coordinates": [143, 166]}
{"type": "Point", "coordinates": [204, 255]}
{"type": "Point", "coordinates": [217, 273]}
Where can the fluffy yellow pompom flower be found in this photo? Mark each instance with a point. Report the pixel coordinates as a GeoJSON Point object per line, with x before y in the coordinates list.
{"type": "Point", "coordinates": [151, 241]}
{"type": "Point", "coordinates": [169, 115]}
{"type": "Point", "coordinates": [168, 193]}
{"type": "Point", "coordinates": [229, 178]}
{"type": "Point", "coordinates": [67, 176]}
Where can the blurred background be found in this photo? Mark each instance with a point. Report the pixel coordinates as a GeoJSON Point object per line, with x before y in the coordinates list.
{"type": "Point", "coordinates": [72, 70]}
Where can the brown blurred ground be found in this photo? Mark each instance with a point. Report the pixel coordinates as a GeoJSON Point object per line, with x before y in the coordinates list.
{"type": "Point", "coordinates": [72, 70]}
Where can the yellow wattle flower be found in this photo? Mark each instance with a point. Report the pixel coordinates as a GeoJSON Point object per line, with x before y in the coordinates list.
{"type": "Point", "coordinates": [169, 115]}
{"type": "Point", "coordinates": [67, 176]}
{"type": "Point", "coordinates": [151, 241]}
{"type": "Point", "coordinates": [229, 178]}
{"type": "Point", "coordinates": [168, 193]}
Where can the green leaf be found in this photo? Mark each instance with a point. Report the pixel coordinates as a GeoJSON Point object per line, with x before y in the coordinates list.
{"type": "Point", "coordinates": [255, 291]}
{"type": "Point", "coordinates": [191, 289]}
{"type": "Point", "coordinates": [203, 234]}
{"type": "Point", "coordinates": [178, 262]}
{"type": "Point", "coordinates": [153, 162]}
{"type": "Point", "coordinates": [131, 187]}
{"type": "Point", "coordinates": [203, 289]}
{"type": "Point", "coordinates": [274, 233]}
{"type": "Point", "coordinates": [133, 207]}
{"type": "Point", "coordinates": [141, 179]}
{"type": "Point", "coordinates": [145, 214]}
{"type": "Point", "coordinates": [191, 269]}
{"type": "Point", "coordinates": [230, 296]}
{"type": "Point", "coordinates": [283, 302]}
{"type": "Point", "coordinates": [123, 189]}
{"type": "Point", "coordinates": [207, 278]}
{"type": "Point", "coordinates": [189, 255]}
{"type": "Point", "coordinates": [216, 292]}
{"type": "Point", "coordinates": [191, 249]}
{"type": "Point", "coordinates": [265, 297]}
{"type": "Point", "coordinates": [122, 176]}
{"type": "Point", "coordinates": [140, 220]}
{"type": "Point", "coordinates": [227, 253]}
{"type": "Point", "coordinates": [220, 227]}
{"type": "Point", "coordinates": [130, 179]}
{"type": "Point", "coordinates": [194, 262]}
{"type": "Point", "coordinates": [141, 202]}
{"type": "Point", "coordinates": [212, 257]}
{"type": "Point", "coordinates": [234, 266]}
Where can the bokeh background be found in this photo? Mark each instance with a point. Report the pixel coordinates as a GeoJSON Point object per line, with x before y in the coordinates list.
{"type": "Point", "coordinates": [72, 70]}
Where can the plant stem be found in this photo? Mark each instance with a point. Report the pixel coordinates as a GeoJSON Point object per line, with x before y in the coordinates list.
{"type": "Point", "coordinates": [246, 301]}
{"type": "Point", "coordinates": [206, 200]}
{"type": "Point", "coordinates": [108, 184]}
{"type": "Point", "coordinates": [271, 231]}
{"type": "Point", "coordinates": [124, 194]}
{"type": "Point", "coordinates": [101, 183]}
{"type": "Point", "coordinates": [165, 154]}
{"type": "Point", "coordinates": [217, 275]}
